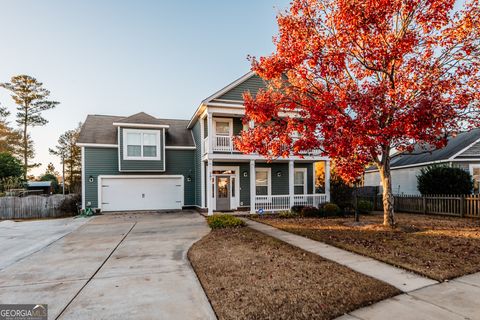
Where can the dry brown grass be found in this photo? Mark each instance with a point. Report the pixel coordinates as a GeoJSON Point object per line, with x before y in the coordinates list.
{"type": "Point", "coordinates": [437, 247]}
{"type": "Point", "coordinates": [249, 275]}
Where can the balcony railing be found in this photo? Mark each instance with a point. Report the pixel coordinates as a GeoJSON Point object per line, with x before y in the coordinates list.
{"type": "Point", "coordinates": [226, 144]}
{"type": "Point", "coordinates": [275, 203]}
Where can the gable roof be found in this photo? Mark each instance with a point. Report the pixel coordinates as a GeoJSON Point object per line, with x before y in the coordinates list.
{"type": "Point", "coordinates": [232, 94]}
{"type": "Point", "coordinates": [142, 118]}
{"type": "Point", "coordinates": [100, 129]}
{"type": "Point", "coordinates": [424, 156]}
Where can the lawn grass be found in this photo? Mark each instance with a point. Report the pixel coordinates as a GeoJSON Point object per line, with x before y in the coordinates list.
{"type": "Point", "coordinates": [249, 275]}
{"type": "Point", "coordinates": [437, 247]}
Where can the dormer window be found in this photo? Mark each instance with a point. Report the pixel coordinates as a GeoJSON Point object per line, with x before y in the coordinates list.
{"type": "Point", "coordinates": [141, 144]}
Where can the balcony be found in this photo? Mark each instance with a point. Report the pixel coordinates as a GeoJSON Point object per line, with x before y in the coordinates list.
{"type": "Point", "coordinates": [220, 144]}
{"type": "Point", "coordinates": [226, 144]}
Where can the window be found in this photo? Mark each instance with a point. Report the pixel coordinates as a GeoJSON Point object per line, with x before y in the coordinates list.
{"type": "Point", "coordinates": [223, 127]}
{"type": "Point", "coordinates": [262, 182]}
{"type": "Point", "coordinates": [475, 172]}
{"type": "Point", "coordinates": [319, 168]}
{"type": "Point", "coordinates": [141, 144]}
{"type": "Point", "coordinates": [300, 181]}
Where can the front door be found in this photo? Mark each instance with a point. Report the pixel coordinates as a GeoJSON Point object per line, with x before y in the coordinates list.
{"type": "Point", "coordinates": [223, 193]}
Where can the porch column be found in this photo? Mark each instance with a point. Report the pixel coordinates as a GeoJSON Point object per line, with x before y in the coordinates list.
{"type": "Point", "coordinates": [252, 186]}
{"type": "Point", "coordinates": [327, 180]}
{"type": "Point", "coordinates": [209, 187]}
{"type": "Point", "coordinates": [291, 190]}
{"type": "Point", "coordinates": [210, 132]}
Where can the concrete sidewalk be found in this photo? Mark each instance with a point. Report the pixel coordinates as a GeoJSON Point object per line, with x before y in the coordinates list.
{"type": "Point", "coordinates": [424, 299]}
{"type": "Point", "coordinates": [454, 300]}
{"type": "Point", "coordinates": [399, 278]}
{"type": "Point", "coordinates": [125, 266]}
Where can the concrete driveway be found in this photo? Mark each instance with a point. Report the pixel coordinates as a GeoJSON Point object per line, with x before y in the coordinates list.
{"type": "Point", "coordinates": [130, 265]}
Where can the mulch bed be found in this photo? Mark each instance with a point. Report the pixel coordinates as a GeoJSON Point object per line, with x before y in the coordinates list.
{"type": "Point", "coordinates": [249, 275]}
{"type": "Point", "coordinates": [437, 247]}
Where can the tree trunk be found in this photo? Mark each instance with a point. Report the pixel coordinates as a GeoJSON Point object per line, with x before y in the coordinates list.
{"type": "Point", "coordinates": [25, 146]}
{"type": "Point", "coordinates": [388, 199]}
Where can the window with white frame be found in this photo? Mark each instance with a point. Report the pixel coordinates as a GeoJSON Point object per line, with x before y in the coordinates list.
{"type": "Point", "coordinates": [141, 144]}
{"type": "Point", "coordinates": [300, 181]}
{"type": "Point", "coordinates": [475, 172]}
{"type": "Point", "coordinates": [262, 182]}
{"type": "Point", "coordinates": [223, 127]}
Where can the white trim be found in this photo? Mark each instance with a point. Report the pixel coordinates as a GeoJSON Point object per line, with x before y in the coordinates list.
{"type": "Point", "coordinates": [209, 187]}
{"type": "Point", "coordinates": [97, 145]}
{"type": "Point", "coordinates": [240, 157]}
{"type": "Point", "coordinates": [217, 94]}
{"type": "Point", "coordinates": [158, 156]}
{"type": "Point", "coordinates": [464, 149]}
{"type": "Point", "coordinates": [232, 85]}
{"type": "Point", "coordinates": [230, 101]}
{"type": "Point", "coordinates": [141, 125]}
{"type": "Point", "coordinates": [83, 177]}
{"type": "Point", "coordinates": [269, 176]}
{"type": "Point", "coordinates": [465, 159]}
{"type": "Point", "coordinates": [180, 148]}
{"type": "Point", "coordinates": [253, 192]}
{"type": "Point", "coordinates": [421, 164]}
{"type": "Point", "coordinates": [234, 201]}
{"type": "Point", "coordinates": [119, 156]}
{"type": "Point", "coordinates": [100, 177]}
{"type": "Point", "coordinates": [163, 143]}
{"type": "Point", "coordinates": [225, 105]}
{"type": "Point", "coordinates": [305, 177]}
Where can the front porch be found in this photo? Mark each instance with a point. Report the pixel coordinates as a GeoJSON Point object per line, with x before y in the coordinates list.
{"type": "Point", "coordinates": [259, 186]}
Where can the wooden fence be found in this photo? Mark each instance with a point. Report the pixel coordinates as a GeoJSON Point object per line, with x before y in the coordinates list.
{"type": "Point", "coordinates": [451, 205]}
{"type": "Point", "coordinates": [32, 207]}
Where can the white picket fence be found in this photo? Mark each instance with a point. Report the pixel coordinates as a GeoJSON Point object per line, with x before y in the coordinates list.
{"type": "Point", "coordinates": [32, 207]}
{"type": "Point", "coordinates": [275, 203]}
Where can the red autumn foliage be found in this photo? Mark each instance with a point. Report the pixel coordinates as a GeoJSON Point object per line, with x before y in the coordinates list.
{"type": "Point", "coordinates": [359, 79]}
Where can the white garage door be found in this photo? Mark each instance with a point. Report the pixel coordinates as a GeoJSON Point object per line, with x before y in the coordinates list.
{"type": "Point", "coordinates": [140, 193]}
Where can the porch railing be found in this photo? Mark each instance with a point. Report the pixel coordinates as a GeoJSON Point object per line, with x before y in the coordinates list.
{"type": "Point", "coordinates": [274, 203]}
{"type": "Point", "coordinates": [223, 144]}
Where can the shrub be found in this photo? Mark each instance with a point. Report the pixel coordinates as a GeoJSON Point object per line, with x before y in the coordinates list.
{"type": "Point", "coordinates": [297, 209]}
{"type": "Point", "coordinates": [444, 180]}
{"type": "Point", "coordinates": [221, 221]}
{"type": "Point", "coordinates": [330, 209]}
{"type": "Point", "coordinates": [364, 206]}
{"type": "Point", "coordinates": [310, 212]}
{"type": "Point", "coordinates": [287, 214]}
{"type": "Point", "coordinates": [70, 204]}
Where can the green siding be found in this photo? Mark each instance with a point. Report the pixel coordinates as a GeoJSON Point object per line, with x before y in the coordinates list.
{"type": "Point", "coordinates": [309, 167]}
{"type": "Point", "coordinates": [279, 184]}
{"type": "Point", "coordinates": [252, 85]}
{"type": "Point", "coordinates": [198, 163]}
{"type": "Point", "coordinates": [142, 165]}
{"type": "Point", "coordinates": [104, 161]}
{"type": "Point", "coordinates": [237, 126]}
{"type": "Point", "coordinates": [98, 161]}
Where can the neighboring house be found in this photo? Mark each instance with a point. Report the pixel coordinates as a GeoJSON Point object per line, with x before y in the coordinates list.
{"type": "Point", "coordinates": [462, 151]}
{"type": "Point", "coordinates": [145, 163]}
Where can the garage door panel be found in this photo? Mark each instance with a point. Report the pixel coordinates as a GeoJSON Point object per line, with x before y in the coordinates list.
{"type": "Point", "coordinates": [121, 194]}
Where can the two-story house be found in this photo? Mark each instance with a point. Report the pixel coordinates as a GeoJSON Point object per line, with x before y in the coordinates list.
{"type": "Point", "coordinates": [145, 163]}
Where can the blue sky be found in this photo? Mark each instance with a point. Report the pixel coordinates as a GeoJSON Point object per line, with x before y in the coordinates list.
{"type": "Point", "coordinates": [122, 57]}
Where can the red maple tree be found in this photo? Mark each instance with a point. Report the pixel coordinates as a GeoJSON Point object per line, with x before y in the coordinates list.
{"type": "Point", "coordinates": [361, 79]}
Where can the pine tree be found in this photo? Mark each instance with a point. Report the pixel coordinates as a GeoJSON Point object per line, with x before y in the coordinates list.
{"type": "Point", "coordinates": [31, 99]}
